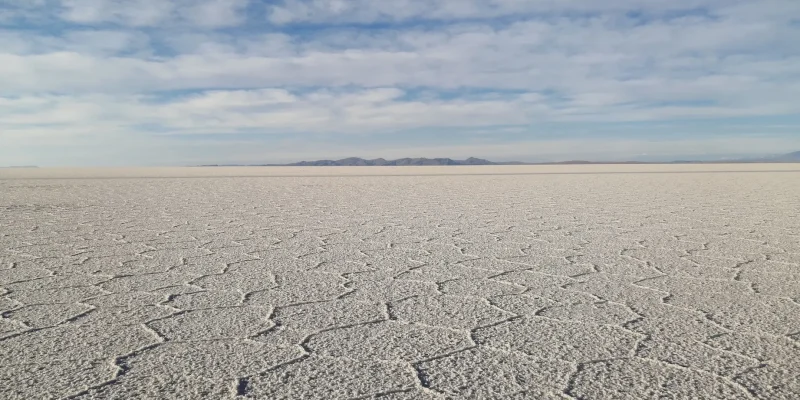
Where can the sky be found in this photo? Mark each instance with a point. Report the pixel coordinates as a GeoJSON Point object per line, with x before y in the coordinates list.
{"type": "Point", "coordinates": [187, 82]}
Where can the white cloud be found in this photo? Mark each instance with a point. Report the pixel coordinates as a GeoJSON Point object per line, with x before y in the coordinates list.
{"type": "Point", "coordinates": [133, 67]}
{"type": "Point", "coordinates": [207, 13]}
{"type": "Point", "coordinates": [262, 111]}
{"type": "Point", "coordinates": [658, 62]}
{"type": "Point", "coordinates": [88, 43]}
{"type": "Point", "coordinates": [368, 11]}
{"type": "Point", "coordinates": [380, 111]}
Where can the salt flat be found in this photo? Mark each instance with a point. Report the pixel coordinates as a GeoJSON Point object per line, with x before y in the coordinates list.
{"type": "Point", "coordinates": [556, 282]}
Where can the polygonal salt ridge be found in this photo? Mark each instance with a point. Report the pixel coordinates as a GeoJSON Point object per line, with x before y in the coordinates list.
{"type": "Point", "coordinates": [766, 315]}
{"type": "Point", "coordinates": [195, 367]}
{"type": "Point", "coordinates": [563, 247]}
{"type": "Point", "coordinates": [538, 394]}
{"type": "Point", "coordinates": [168, 291]}
{"type": "Point", "coordinates": [270, 265]}
{"type": "Point", "coordinates": [73, 342]}
{"type": "Point", "coordinates": [240, 280]}
{"type": "Point", "coordinates": [368, 276]}
{"type": "Point", "coordinates": [202, 268]}
{"type": "Point", "coordinates": [56, 282]}
{"type": "Point", "coordinates": [388, 340]}
{"type": "Point", "coordinates": [617, 288]}
{"type": "Point", "coordinates": [492, 249]}
{"type": "Point", "coordinates": [448, 311]}
{"type": "Point", "coordinates": [147, 282]}
{"type": "Point", "coordinates": [741, 246]}
{"type": "Point", "coordinates": [288, 278]}
{"type": "Point", "coordinates": [212, 324]}
{"type": "Point", "coordinates": [695, 354]}
{"type": "Point", "coordinates": [428, 253]}
{"type": "Point", "coordinates": [391, 265]}
{"type": "Point", "coordinates": [46, 250]}
{"type": "Point", "coordinates": [318, 377]}
{"type": "Point", "coordinates": [53, 380]}
{"type": "Point", "coordinates": [252, 242]}
{"type": "Point", "coordinates": [117, 266]}
{"type": "Point", "coordinates": [674, 284]}
{"type": "Point", "coordinates": [771, 381]}
{"type": "Point", "coordinates": [114, 249]}
{"type": "Point", "coordinates": [224, 256]}
{"type": "Point", "coordinates": [343, 268]}
{"type": "Point", "coordinates": [394, 258]}
{"type": "Point", "coordinates": [206, 299]}
{"type": "Point", "coordinates": [480, 288]}
{"type": "Point", "coordinates": [338, 253]}
{"type": "Point", "coordinates": [778, 284]}
{"type": "Point", "coordinates": [5, 261]}
{"type": "Point", "coordinates": [388, 290]}
{"type": "Point", "coordinates": [126, 299]}
{"type": "Point", "coordinates": [784, 237]}
{"type": "Point", "coordinates": [616, 264]}
{"type": "Point", "coordinates": [46, 315]}
{"type": "Point", "coordinates": [408, 394]}
{"type": "Point", "coordinates": [791, 258]}
{"type": "Point", "coordinates": [389, 238]}
{"type": "Point", "coordinates": [56, 296]}
{"type": "Point", "coordinates": [319, 316]}
{"type": "Point", "coordinates": [775, 349]}
{"type": "Point", "coordinates": [649, 378]}
{"type": "Point", "coordinates": [175, 255]}
{"type": "Point", "coordinates": [534, 281]}
{"type": "Point", "coordinates": [124, 316]}
{"type": "Point", "coordinates": [218, 243]}
{"type": "Point", "coordinates": [656, 242]}
{"type": "Point", "coordinates": [496, 265]}
{"type": "Point", "coordinates": [684, 267]}
{"type": "Point", "coordinates": [441, 272]}
{"type": "Point", "coordinates": [717, 263]}
{"type": "Point", "coordinates": [9, 327]}
{"type": "Point", "coordinates": [675, 323]}
{"type": "Point", "coordinates": [484, 373]}
{"type": "Point", "coordinates": [287, 249]}
{"type": "Point", "coordinates": [282, 336]}
{"type": "Point", "coordinates": [722, 257]}
{"type": "Point", "coordinates": [597, 312]}
{"type": "Point", "coordinates": [300, 288]}
{"type": "Point", "coordinates": [769, 266]}
{"type": "Point", "coordinates": [565, 266]}
{"type": "Point", "coordinates": [565, 340]}
{"type": "Point", "coordinates": [522, 304]}
{"type": "Point", "coordinates": [19, 274]}
{"type": "Point", "coordinates": [507, 235]}
{"type": "Point", "coordinates": [7, 303]}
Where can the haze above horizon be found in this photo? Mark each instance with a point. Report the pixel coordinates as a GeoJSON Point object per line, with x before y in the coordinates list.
{"type": "Point", "coordinates": [182, 82]}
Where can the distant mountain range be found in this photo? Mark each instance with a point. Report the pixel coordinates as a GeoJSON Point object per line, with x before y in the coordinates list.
{"type": "Point", "coordinates": [790, 157]}
{"type": "Point", "coordinates": [358, 162]}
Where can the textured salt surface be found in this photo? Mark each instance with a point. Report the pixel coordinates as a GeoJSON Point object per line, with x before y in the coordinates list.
{"type": "Point", "coordinates": [588, 282]}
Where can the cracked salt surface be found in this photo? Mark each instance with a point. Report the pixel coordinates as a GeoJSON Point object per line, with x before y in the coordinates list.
{"type": "Point", "coordinates": [588, 282]}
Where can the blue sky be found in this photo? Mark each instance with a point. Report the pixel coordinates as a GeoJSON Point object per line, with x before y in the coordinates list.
{"type": "Point", "coordinates": [176, 82]}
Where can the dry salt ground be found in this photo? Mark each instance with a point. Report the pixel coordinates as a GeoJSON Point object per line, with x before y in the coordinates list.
{"type": "Point", "coordinates": [570, 282]}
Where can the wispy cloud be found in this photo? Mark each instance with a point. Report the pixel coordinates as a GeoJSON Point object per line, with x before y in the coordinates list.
{"type": "Point", "coordinates": [146, 71]}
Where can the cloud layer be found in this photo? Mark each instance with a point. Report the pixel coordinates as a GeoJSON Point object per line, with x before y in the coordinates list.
{"type": "Point", "coordinates": [78, 72]}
